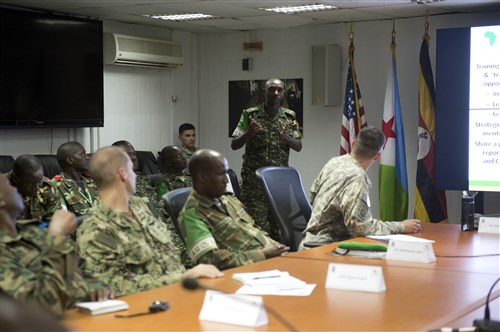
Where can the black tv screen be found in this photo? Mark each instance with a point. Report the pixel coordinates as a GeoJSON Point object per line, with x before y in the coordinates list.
{"type": "Point", "coordinates": [51, 70]}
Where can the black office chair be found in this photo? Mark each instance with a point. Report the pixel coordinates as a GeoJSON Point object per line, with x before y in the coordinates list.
{"type": "Point", "coordinates": [154, 178]}
{"type": "Point", "coordinates": [174, 202]}
{"type": "Point", "coordinates": [49, 164]}
{"type": "Point", "coordinates": [6, 164]}
{"type": "Point", "coordinates": [147, 162]}
{"type": "Point", "coordinates": [288, 202]}
{"type": "Point", "coordinates": [234, 182]}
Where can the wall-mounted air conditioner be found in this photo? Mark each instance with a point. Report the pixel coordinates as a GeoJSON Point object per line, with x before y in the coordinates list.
{"type": "Point", "coordinates": [142, 52]}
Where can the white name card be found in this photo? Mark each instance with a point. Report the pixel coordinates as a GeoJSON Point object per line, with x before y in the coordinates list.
{"type": "Point", "coordinates": [422, 252]}
{"type": "Point", "coordinates": [244, 310]}
{"type": "Point", "coordinates": [489, 225]}
{"type": "Point", "coordinates": [365, 278]}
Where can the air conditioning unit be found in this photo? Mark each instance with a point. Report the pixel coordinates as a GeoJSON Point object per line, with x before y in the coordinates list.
{"type": "Point", "coordinates": [141, 52]}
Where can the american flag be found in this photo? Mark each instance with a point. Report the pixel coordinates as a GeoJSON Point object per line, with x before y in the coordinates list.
{"type": "Point", "coordinates": [353, 118]}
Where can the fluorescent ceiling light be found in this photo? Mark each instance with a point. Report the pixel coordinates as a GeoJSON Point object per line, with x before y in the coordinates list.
{"type": "Point", "coordinates": [182, 17]}
{"type": "Point", "coordinates": [300, 9]}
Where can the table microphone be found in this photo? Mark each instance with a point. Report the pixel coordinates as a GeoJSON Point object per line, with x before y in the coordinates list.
{"type": "Point", "coordinates": [487, 324]}
{"type": "Point", "coordinates": [193, 284]}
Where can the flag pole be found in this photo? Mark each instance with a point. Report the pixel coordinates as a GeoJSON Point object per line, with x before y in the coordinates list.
{"type": "Point", "coordinates": [354, 78]}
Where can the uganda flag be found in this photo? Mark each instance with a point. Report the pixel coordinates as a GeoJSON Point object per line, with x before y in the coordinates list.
{"type": "Point", "coordinates": [430, 203]}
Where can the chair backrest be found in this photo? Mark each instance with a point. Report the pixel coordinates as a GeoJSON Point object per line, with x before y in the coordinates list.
{"type": "Point", "coordinates": [234, 182]}
{"type": "Point", "coordinates": [288, 202]}
{"type": "Point", "coordinates": [174, 202]}
{"type": "Point", "coordinates": [147, 162]}
{"type": "Point", "coordinates": [49, 164]}
{"type": "Point", "coordinates": [154, 178]}
{"type": "Point", "coordinates": [6, 164]}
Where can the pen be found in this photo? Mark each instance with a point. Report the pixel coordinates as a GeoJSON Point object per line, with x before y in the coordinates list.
{"type": "Point", "coordinates": [266, 277]}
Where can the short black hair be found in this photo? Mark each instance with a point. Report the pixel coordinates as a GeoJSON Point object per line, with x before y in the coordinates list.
{"type": "Point", "coordinates": [25, 164]}
{"type": "Point", "coordinates": [121, 143]}
{"type": "Point", "coordinates": [66, 150]}
{"type": "Point", "coordinates": [185, 126]}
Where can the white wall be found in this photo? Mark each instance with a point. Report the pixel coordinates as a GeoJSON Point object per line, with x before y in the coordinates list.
{"type": "Point", "coordinates": [139, 106]}
{"type": "Point", "coordinates": [287, 54]}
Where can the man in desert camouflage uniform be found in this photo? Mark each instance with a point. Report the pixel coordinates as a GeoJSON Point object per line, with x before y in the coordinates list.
{"type": "Point", "coordinates": [41, 198]}
{"type": "Point", "coordinates": [144, 189]}
{"type": "Point", "coordinates": [76, 187]}
{"type": "Point", "coordinates": [268, 132]}
{"type": "Point", "coordinates": [41, 266]}
{"type": "Point", "coordinates": [187, 137]}
{"type": "Point", "coordinates": [340, 196]}
{"type": "Point", "coordinates": [175, 176]}
{"type": "Point", "coordinates": [121, 241]}
{"type": "Point", "coordinates": [214, 223]}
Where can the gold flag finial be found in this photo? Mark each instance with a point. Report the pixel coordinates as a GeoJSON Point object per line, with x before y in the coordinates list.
{"type": "Point", "coordinates": [393, 32]}
{"type": "Point", "coordinates": [427, 22]}
{"type": "Point", "coordinates": [351, 32]}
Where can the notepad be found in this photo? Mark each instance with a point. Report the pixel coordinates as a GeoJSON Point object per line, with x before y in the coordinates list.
{"type": "Point", "coordinates": [99, 308]}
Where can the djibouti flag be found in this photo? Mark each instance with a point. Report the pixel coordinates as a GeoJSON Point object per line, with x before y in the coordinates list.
{"type": "Point", "coordinates": [393, 180]}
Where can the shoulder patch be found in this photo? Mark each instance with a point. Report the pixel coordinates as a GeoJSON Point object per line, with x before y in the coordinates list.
{"type": "Point", "coordinates": [57, 178]}
{"type": "Point", "coordinates": [107, 240]}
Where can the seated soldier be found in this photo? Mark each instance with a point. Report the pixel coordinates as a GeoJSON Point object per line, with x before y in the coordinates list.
{"type": "Point", "coordinates": [122, 242]}
{"type": "Point", "coordinates": [187, 137]}
{"type": "Point", "coordinates": [144, 189]}
{"type": "Point", "coordinates": [76, 187]}
{"type": "Point", "coordinates": [214, 224]}
{"type": "Point", "coordinates": [40, 266]}
{"type": "Point", "coordinates": [41, 198]}
{"type": "Point", "coordinates": [175, 176]}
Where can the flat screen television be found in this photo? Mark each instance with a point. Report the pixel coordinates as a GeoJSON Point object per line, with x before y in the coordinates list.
{"type": "Point", "coordinates": [51, 70]}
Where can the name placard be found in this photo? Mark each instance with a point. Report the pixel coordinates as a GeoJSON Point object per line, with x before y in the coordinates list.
{"type": "Point", "coordinates": [244, 310]}
{"type": "Point", "coordinates": [422, 252]}
{"type": "Point", "coordinates": [489, 225]}
{"type": "Point", "coordinates": [365, 278]}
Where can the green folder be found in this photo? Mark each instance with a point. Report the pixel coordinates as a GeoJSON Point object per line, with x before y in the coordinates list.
{"type": "Point", "coordinates": [362, 246]}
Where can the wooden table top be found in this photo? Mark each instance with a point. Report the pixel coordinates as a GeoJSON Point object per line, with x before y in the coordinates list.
{"type": "Point", "coordinates": [455, 250]}
{"type": "Point", "coordinates": [416, 299]}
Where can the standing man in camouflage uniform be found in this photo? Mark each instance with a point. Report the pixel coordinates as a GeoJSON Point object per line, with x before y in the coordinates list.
{"type": "Point", "coordinates": [41, 198]}
{"type": "Point", "coordinates": [214, 223]}
{"type": "Point", "coordinates": [121, 241]}
{"type": "Point", "coordinates": [144, 189]}
{"type": "Point", "coordinates": [340, 196]}
{"type": "Point", "coordinates": [76, 187]}
{"type": "Point", "coordinates": [175, 175]}
{"type": "Point", "coordinates": [187, 137]}
{"type": "Point", "coordinates": [268, 131]}
{"type": "Point", "coordinates": [37, 265]}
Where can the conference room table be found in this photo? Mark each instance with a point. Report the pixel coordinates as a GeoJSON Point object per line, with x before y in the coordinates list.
{"type": "Point", "coordinates": [455, 250]}
{"type": "Point", "coordinates": [419, 296]}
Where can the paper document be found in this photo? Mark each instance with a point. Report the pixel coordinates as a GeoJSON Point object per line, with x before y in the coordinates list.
{"type": "Point", "coordinates": [103, 307]}
{"type": "Point", "coordinates": [305, 290]}
{"type": "Point", "coordinates": [273, 282]}
{"type": "Point", "coordinates": [399, 237]}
